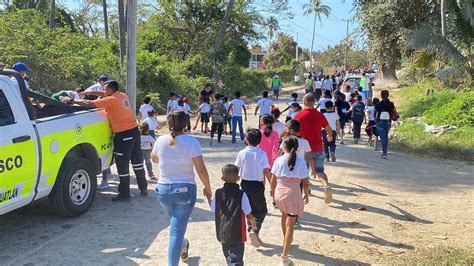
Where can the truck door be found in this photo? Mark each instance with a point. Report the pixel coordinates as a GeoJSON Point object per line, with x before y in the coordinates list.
{"type": "Point", "coordinates": [19, 157]}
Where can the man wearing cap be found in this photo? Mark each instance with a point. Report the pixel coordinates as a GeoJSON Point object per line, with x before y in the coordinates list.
{"type": "Point", "coordinates": [126, 139]}
{"type": "Point", "coordinates": [90, 93]}
{"type": "Point", "coordinates": [276, 86]}
{"type": "Point", "coordinates": [24, 70]}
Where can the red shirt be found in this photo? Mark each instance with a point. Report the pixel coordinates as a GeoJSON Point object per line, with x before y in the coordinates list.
{"type": "Point", "coordinates": [311, 124]}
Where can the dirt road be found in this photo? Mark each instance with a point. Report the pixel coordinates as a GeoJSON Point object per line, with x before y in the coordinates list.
{"type": "Point", "coordinates": [382, 209]}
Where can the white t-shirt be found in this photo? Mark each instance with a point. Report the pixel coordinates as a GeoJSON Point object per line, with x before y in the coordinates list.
{"type": "Point", "coordinates": [171, 106]}
{"type": "Point", "coordinates": [237, 105]}
{"type": "Point", "coordinates": [152, 122]}
{"type": "Point", "coordinates": [73, 95]}
{"type": "Point", "coordinates": [251, 162]}
{"type": "Point", "coordinates": [293, 114]}
{"type": "Point", "coordinates": [332, 118]}
{"type": "Point", "coordinates": [244, 203]}
{"type": "Point", "coordinates": [147, 142]}
{"type": "Point", "coordinates": [144, 110]}
{"type": "Point", "coordinates": [290, 111]}
{"type": "Point", "coordinates": [176, 162]}
{"type": "Point", "coordinates": [371, 112]}
{"type": "Point", "coordinates": [185, 108]}
{"type": "Point", "coordinates": [227, 106]}
{"type": "Point", "coordinates": [328, 84]}
{"type": "Point", "coordinates": [322, 103]}
{"type": "Point", "coordinates": [319, 84]}
{"type": "Point", "coordinates": [348, 96]}
{"type": "Point", "coordinates": [281, 169]}
{"type": "Point", "coordinates": [303, 147]}
{"type": "Point", "coordinates": [205, 108]}
{"type": "Point", "coordinates": [265, 105]}
{"type": "Point", "coordinates": [95, 87]}
{"type": "Point", "coordinates": [278, 127]}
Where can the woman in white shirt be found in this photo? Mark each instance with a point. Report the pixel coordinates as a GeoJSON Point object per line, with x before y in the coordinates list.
{"type": "Point", "coordinates": [178, 155]}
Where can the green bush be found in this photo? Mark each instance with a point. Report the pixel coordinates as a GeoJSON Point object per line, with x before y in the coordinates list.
{"type": "Point", "coordinates": [444, 107]}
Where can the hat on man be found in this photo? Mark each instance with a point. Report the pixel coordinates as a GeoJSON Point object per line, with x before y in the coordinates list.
{"type": "Point", "coordinates": [103, 78]}
{"type": "Point", "coordinates": [276, 77]}
{"type": "Point", "coordinates": [20, 66]}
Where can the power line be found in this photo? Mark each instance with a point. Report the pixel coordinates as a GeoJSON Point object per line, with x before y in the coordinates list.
{"type": "Point", "coordinates": [308, 31]}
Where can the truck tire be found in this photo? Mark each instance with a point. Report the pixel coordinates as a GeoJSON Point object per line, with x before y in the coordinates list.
{"type": "Point", "coordinates": [75, 187]}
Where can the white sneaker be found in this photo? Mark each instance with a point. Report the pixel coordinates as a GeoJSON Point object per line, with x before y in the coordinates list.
{"type": "Point", "coordinates": [286, 262]}
{"type": "Point", "coordinates": [103, 185]}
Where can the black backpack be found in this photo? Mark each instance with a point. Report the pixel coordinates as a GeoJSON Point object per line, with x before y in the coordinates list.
{"type": "Point", "coordinates": [358, 112]}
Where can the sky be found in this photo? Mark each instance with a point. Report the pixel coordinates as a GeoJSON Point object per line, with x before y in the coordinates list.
{"type": "Point", "coordinates": [330, 31]}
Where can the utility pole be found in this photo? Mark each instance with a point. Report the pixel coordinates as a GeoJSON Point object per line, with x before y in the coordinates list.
{"type": "Point", "coordinates": [347, 44]}
{"type": "Point", "coordinates": [443, 15]}
{"type": "Point", "coordinates": [132, 53]}
{"type": "Point", "coordinates": [297, 46]}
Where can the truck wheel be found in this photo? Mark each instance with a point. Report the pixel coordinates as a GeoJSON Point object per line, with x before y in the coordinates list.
{"type": "Point", "coordinates": [75, 188]}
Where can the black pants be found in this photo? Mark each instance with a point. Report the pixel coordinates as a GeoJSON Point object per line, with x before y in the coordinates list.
{"type": "Point", "coordinates": [234, 254]}
{"type": "Point", "coordinates": [127, 148]}
{"type": "Point", "coordinates": [317, 94]}
{"type": "Point", "coordinates": [188, 123]}
{"type": "Point", "coordinates": [255, 191]}
{"type": "Point", "coordinates": [219, 127]}
{"type": "Point", "coordinates": [329, 146]}
{"type": "Point", "coordinates": [356, 129]}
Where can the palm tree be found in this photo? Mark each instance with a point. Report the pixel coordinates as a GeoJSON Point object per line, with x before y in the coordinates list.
{"type": "Point", "coordinates": [454, 50]}
{"type": "Point", "coordinates": [318, 9]}
{"type": "Point", "coordinates": [272, 26]}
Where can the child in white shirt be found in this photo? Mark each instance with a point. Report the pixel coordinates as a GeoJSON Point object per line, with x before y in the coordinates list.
{"type": "Point", "coordinates": [253, 169]}
{"type": "Point", "coordinates": [147, 143]}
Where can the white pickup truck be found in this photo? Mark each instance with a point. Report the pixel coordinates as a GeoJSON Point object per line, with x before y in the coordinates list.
{"type": "Point", "coordinates": [48, 148]}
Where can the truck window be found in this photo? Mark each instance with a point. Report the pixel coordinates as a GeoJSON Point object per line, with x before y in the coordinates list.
{"type": "Point", "coordinates": [6, 114]}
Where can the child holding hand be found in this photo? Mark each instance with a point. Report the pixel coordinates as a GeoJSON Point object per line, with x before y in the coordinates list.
{"type": "Point", "coordinates": [230, 205]}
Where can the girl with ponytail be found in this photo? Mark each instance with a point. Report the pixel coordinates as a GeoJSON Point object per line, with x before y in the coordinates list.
{"type": "Point", "coordinates": [270, 138]}
{"type": "Point", "coordinates": [288, 172]}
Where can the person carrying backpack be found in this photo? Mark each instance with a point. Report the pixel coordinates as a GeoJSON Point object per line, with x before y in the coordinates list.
{"type": "Point", "coordinates": [357, 117]}
{"type": "Point", "coordinates": [218, 114]}
{"type": "Point", "coordinates": [276, 86]}
{"type": "Point", "coordinates": [385, 113]}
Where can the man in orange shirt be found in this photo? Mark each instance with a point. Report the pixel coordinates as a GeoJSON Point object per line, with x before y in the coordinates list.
{"type": "Point", "coordinates": [126, 138]}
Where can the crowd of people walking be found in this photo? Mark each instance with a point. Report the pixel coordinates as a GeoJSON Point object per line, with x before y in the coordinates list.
{"type": "Point", "coordinates": [284, 155]}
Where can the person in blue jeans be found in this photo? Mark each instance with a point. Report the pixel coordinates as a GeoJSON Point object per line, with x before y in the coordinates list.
{"type": "Point", "coordinates": [236, 107]}
{"type": "Point", "coordinates": [385, 111]}
{"type": "Point", "coordinates": [178, 154]}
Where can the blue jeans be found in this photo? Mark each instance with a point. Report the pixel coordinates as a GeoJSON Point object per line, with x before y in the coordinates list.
{"type": "Point", "coordinates": [178, 201]}
{"type": "Point", "coordinates": [383, 127]}
{"type": "Point", "coordinates": [318, 159]}
{"type": "Point", "coordinates": [235, 120]}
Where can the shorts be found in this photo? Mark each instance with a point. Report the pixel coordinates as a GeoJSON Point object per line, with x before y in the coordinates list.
{"type": "Point", "coordinates": [342, 121]}
{"type": "Point", "coordinates": [318, 159]}
{"type": "Point", "coordinates": [365, 94]}
{"type": "Point", "coordinates": [204, 118]}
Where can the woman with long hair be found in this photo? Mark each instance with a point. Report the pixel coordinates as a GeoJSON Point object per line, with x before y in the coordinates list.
{"type": "Point", "coordinates": [178, 154]}
{"type": "Point", "coordinates": [385, 112]}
